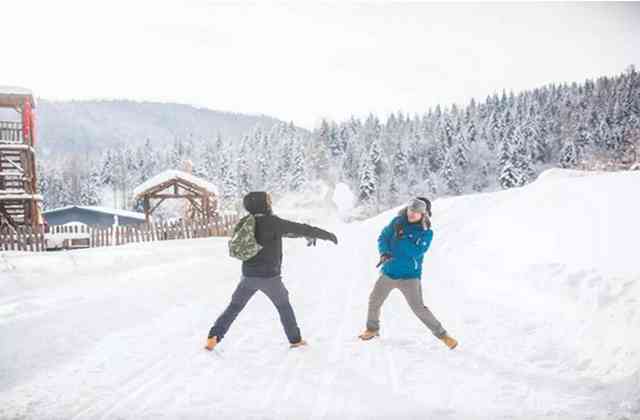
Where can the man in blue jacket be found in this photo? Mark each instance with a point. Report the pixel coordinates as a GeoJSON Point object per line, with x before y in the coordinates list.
{"type": "Point", "coordinates": [402, 245]}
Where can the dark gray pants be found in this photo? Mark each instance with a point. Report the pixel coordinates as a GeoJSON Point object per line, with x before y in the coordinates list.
{"type": "Point", "coordinates": [275, 291]}
{"type": "Point", "coordinates": [412, 292]}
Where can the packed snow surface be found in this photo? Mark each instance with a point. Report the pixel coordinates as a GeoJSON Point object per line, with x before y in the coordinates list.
{"type": "Point", "coordinates": [541, 286]}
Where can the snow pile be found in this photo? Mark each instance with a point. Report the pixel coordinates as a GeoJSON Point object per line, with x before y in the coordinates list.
{"type": "Point", "coordinates": [540, 284]}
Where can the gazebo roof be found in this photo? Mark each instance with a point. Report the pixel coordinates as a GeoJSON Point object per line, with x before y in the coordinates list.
{"type": "Point", "coordinates": [11, 96]}
{"type": "Point", "coordinates": [171, 175]}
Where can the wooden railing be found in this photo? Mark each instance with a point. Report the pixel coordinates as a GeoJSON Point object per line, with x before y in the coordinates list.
{"type": "Point", "coordinates": [11, 132]}
{"type": "Point", "coordinates": [23, 238]}
{"type": "Point", "coordinates": [83, 236]}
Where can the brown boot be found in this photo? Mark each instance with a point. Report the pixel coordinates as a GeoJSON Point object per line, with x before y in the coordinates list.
{"type": "Point", "coordinates": [451, 342]}
{"type": "Point", "coordinates": [298, 344]}
{"type": "Point", "coordinates": [211, 343]}
{"type": "Point", "coordinates": [368, 335]}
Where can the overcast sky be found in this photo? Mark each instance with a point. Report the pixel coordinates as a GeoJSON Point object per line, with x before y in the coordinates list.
{"type": "Point", "coordinates": [304, 62]}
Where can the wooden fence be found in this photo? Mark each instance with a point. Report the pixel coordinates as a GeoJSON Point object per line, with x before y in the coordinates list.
{"type": "Point", "coordinates": [23, 239]}
{"type": "Point", "coordinates": [82, 236]}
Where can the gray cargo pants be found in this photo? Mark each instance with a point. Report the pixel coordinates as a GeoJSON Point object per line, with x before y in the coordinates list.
{"type": "Point", "coordinates": [412, 292]}
{"type": "Point", "coordinates": [275, 291]}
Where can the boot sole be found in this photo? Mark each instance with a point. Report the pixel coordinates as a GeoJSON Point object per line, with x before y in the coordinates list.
{"type": "Point", "coordinates": [368, 338]}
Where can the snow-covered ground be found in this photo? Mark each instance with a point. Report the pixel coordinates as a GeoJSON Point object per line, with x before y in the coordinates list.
{"type": "Point", "coordinates": [541, 285]}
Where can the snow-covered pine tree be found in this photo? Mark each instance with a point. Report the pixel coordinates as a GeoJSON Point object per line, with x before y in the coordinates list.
{"type": "Point", "coordinates": [509, 176]}
{"type": "Point", "coordinates": [91, 188]}
{"type": "Point", "coordinates": [242, 169]}
{"type": "Point", "coordinates": [368, 182]}
{"type": "Point", "coordinates": [450, 176]}
{"type": "Point", "coordinates": [521, 156]}
{"type": "Point", "coordinates": [229, 184]}
{"type": "Point", "coordinates": [569, 155]}
{"type": "Point", "coordinates": [299, 173]}
{"type": "Point", "coordinates": [399, 174]}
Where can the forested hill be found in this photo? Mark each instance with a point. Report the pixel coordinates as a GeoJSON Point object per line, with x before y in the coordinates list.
{"type": "Point", "coordinates": [88, 126]}
{"type": "Point", "coordinates": [503, 141]}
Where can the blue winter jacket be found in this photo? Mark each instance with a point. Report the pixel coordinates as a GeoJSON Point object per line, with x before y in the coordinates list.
{"type": "Point", "coordinates": [406, 243]}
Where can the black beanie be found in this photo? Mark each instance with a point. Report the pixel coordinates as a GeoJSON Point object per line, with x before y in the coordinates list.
{"type": "Point", "coordinates": [256, 202]}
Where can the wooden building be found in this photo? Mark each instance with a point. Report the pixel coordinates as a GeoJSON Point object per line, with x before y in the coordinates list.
{"type": "Point", "coordinates": [19, 199]}
{"type": "Point", "coordinates": [93, 216]}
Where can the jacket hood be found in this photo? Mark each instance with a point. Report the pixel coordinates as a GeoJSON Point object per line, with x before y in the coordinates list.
{"type": "Point", "coordinates": [256, 202]}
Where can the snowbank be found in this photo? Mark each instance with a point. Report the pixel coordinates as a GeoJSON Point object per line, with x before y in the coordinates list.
{"type": "Point", "coordinates": [540, 284]}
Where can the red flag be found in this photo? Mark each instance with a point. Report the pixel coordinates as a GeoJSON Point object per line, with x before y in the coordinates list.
{"type": "Point", "coordinates": [26, 121]}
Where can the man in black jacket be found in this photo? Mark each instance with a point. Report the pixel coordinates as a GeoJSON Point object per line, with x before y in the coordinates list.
{"type": "Point", "coordinates": [262, 272]}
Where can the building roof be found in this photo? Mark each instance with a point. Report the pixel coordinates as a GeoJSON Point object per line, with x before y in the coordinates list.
{"type": "Point", "coordinates": [170, 175]}
{"type": "Point", "coordinates": [105, 210]}
{"type": "Point", "coordinates": [11, 96]}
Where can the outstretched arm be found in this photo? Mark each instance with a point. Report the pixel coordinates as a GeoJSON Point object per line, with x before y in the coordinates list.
{"type": "Point", "coordinates": [293, 229]}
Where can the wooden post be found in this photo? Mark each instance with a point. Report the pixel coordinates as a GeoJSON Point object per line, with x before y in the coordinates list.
{"type": "Point", "coordinates": [34, 239]}
{"type": "Point", "coordinates": [146, 209]}
{"type": "Point", "coordinates": [19, 238]}
{"type": "Point", "coordinates": [42, 238]}
{"type": "Point", "coordinates": [186, 227]}
{"type": "Point", "coordinates": [12, 240]}
{"type": "Point", "coordinates": [31, 239]}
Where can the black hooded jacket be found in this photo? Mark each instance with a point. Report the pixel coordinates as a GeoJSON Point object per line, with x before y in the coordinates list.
{"type": "Point", "coordinates": [269, 232]}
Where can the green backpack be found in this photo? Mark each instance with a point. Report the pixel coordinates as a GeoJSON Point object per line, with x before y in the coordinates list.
{"type": "Point", "coordinates": [243, 244]}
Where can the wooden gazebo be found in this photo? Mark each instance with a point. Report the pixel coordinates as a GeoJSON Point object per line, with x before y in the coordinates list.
{"type": "Point", "coordinates": [200, 193]}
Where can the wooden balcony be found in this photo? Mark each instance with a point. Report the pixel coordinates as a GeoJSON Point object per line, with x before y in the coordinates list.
{"type": "Point", "coordinates": [11, 132]}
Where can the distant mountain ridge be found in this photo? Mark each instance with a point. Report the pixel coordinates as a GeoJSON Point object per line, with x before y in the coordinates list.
{"type": "Point", "coordinates": [87, 126]}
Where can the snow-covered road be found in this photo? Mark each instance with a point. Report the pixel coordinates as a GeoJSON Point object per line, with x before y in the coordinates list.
{"type": "Point", "coordinates": [539, 285]}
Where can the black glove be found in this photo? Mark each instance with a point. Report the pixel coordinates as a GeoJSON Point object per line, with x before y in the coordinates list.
{"type": "Point", "coordinates": [324, 235]}
{"type": "Point", "coordinates": [383, 259]}
{"type": "Point", "coordinates": [333, 238]}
